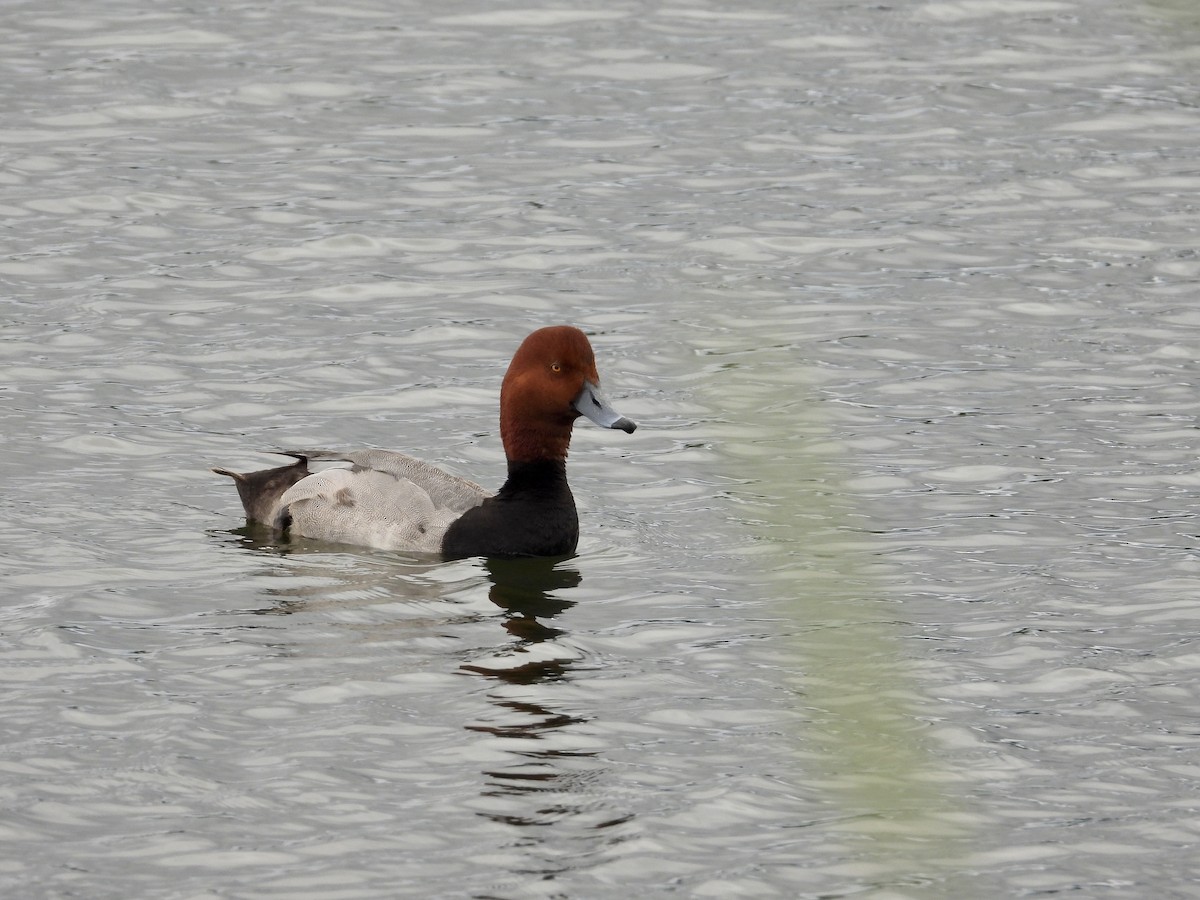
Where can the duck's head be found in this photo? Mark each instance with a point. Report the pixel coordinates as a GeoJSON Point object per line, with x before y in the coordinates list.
{"type": "Point", "coordinates": [551, 381]}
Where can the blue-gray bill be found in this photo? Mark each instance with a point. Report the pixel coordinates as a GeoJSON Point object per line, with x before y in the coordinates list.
{"type": "Point", "coordinates": [592, 403]}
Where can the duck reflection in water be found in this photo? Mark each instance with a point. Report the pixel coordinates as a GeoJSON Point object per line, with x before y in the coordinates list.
{"type": "Point", "coordinates": [543, 747]}
{"type": "Point", "coordinates": [524, 589]}
{"type": "Point", "coordinates": [549, 779]}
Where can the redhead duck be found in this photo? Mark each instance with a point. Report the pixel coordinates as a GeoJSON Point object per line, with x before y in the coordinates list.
{"type": "Point", "coordinates": [396, 502]}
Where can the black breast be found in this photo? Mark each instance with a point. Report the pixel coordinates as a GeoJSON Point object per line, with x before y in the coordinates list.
{"type": "Point", "coordinates": [532, 515]}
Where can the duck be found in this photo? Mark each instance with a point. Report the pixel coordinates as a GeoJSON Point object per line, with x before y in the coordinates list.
{"type": "Point", "coordinates": [392, 501]}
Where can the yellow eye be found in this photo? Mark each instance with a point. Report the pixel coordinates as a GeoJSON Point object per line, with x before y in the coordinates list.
{"type": "Point", "coordinates": [555, 367]}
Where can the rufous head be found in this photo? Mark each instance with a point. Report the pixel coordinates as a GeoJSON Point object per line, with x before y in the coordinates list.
{"type": "Point", "coordinates": [551, 381]}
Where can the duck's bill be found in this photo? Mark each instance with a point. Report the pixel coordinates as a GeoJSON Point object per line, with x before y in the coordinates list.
{"type": "Point", "coordinates": [592, 403]}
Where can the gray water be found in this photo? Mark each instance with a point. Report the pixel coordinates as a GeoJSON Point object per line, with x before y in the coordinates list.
{"type": "Point", "coordinates": [894, 592]}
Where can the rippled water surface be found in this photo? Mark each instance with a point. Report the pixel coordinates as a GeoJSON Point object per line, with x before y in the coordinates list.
{"type": "Point", "coordinates": [894, 592]}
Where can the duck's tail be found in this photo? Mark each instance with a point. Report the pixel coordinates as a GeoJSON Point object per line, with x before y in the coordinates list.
{"type": "Point", "coordinates": [260, 491]}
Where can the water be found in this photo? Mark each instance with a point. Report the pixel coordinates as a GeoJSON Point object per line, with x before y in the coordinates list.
{"type": "Point", "coordinates": [891, 595]}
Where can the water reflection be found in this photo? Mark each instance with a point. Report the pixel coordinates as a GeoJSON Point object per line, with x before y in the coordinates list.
{"type": "Point", "coordinates": [524, 589]}
{"type": "Point", "coordinates": [535, 720]}
{"type": "Point", "coordinates": [862, 738]}
{"type": "Point", "coordinates": [540, 768]}
{"type": "Point", "coordinates": [257, 537]}
{"type": "Point", "coordinates": [358, 603]}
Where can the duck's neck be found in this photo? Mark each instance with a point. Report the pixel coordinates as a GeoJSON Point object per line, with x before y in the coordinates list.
{"type": "Point", "coordinates": [538, 477]}
{"type": "Point", "coordinates": [531, 442]}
